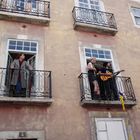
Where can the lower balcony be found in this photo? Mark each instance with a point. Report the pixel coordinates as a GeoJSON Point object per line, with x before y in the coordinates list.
{"type": "Point", "coordinates": [26, 11]}
{"type": "Point", "coordinates": [37, 89]}
{"type": "Point", "coordinates": [110, 92]}
{"type": "Point", "coordinates": [94, 21]}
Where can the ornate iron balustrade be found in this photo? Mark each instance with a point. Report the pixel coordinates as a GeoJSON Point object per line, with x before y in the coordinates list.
{"type": "Point", "coordinates": [28, 7]}
{"type": "Point", "coordinates": [94, 17]}
{"type": "Point", "coordinates": [119, 85]}
{"type": "Point", "coordinates": [38, 83]}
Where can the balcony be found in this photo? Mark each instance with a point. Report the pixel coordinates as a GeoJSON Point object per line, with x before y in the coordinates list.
{"type": "Point", "coordinates": [37, 91]}
{"type": "Point", "coordinates": [26, 11]}
{"type": "Point", "coordinates": [119, 85]}
{"type": "Point", "coordinates": [94, 21]}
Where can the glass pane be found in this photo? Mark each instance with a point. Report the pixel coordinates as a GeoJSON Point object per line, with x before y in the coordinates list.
{"type": "Point", "coordinates": [19, 43]}
{"type": "Point", "coordinates": [26, 48]}
{"type": "Point", "coordinates": [108, 57]}
{"type": "Point", "coordinates": [94, 51]}
{"type": "Point", "coordinates": [12, 47]}
{"type": "Point", "coordinates": [95, 55]}
{"type": "Point", "coordinates": [100, 52]}
{"type": "Point", "coordinates": [88, 50]}
{"type": "Point", "coordinates": [33, 3]}
{"type": "Point", "coordinates": [137, 19]}
{"type": "Point", "coordinates": [33, 49]}
{"type": "Point", "coordinates": [107, 52]}
{"type": "Point", "coordinates": [12, 42]}
{"type": "Point", "coordinates": [33, 44]}
{"type": "Point", "coordinates": [19, 48]}
{"type": "Point", "coordinates": [26, 43]}
{"type": "Point", "coordinates": [101, 56]}
{"type": "Point", "coordinates": [136, 11]}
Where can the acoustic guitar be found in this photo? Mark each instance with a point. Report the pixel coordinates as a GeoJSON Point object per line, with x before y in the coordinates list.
{"type": "Point", "coordinates": [108, 75]}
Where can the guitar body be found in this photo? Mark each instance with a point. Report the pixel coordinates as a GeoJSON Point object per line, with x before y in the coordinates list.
{"type": "Point", "coordinates": [106, 77]}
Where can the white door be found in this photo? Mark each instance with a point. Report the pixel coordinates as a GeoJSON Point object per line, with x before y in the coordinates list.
{"type": "Point", "coordinates": [111, 129]}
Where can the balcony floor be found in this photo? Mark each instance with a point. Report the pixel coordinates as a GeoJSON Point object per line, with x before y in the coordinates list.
{"type": "Point", "coordinates": [26, 100]}
{"type": "Point", "coordinates": [128, 103]}
{"type": "Point", "coordinates": [94, 28]}
{"type": "Point", "coordinates": [25, 18]}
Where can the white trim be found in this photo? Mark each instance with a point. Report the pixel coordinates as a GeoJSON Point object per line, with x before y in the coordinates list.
{"type": "Point", "coordinates": [101, 4]}
{"type": "Point", "coordinates": [113, 119]}
{"type": "Point", "coordinates": [23, 51]}
{"type": "Point", "coordinates": [132, 16]}
{"type": "Point", "coordinates": [83, 56]}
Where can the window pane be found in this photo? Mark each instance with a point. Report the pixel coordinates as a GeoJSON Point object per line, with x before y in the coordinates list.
{"type": "Point", "coordinates": [100, 52]}
{"type": "Point", "coordinates": [33, 44]}
{"type": "Point", "coordinates": [108, 57]}
{"type": "Point", "coordinates": [33, 49]}
{"type": "Point", "coordinates": [12, 42]}
{"type": "Point", "coordinates": [88, 54]}
{"type": "Point", "coordinates": [137, 19]}
{"type": "Point", "coordinates": [136, 12]}
{"type": "Point", "coordinates": [94, 51]}
{"type": "Point", "coordinates": [101, 56]}
{"type": "Point", "coordinates": [26, 48]}
{"type": "Point", "coordinates": [26, 43]}
{"type": "Point", "coordinates": [19, 48]}
{"type": "Point", "coordinates": [107, 52]}
{"type": "Point", "coordinates": [88, 50]}
{"type": "Point", "coordinates": [95, 55]}
{"type": "Point", "coordinates": [12, 47]}
{"type": "Point", "coordinates": [19, 43]}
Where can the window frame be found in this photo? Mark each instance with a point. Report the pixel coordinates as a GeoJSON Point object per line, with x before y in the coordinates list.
{"type": "Point", "coordinates": [101, 5]}
{"type": "Point", "coordinates": [133, 16]}
{"type": "Point", "coordinates": [101, 59]}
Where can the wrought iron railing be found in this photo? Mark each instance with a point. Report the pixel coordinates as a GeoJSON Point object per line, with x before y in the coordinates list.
{"type": "Point", "coordinates": [37, 83]}
{"type": "Point", "coordinates": [28, 7]}
{"type": "Point", "coordinates": [94, 17]}
{"type": "Point", "coordinates": [109, 90]}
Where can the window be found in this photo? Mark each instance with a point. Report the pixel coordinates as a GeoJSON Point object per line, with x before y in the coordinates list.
{"type": "Point", "coordinates": [20, 45]}
{"type": "Point", "coordinates": [101, 54]}
{"type": "Point", "coordinates": [91, 4]}
{"type": "Point", "coordinates": [136, 15]}
{"type": "Point", "coordinates": [110, 129]}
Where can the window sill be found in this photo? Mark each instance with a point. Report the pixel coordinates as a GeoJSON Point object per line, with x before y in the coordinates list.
{"type": "Point", "coordinates": [26, 101]}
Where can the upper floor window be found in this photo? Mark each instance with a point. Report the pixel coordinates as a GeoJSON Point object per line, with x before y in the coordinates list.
{"type": "Point", "coordinates": [136, 15]}
{"type": "Point", "coordinates": [92, 4]}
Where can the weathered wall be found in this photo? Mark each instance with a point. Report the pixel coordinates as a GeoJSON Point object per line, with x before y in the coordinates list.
{"type": "Point", "coordinates": [65, 119]}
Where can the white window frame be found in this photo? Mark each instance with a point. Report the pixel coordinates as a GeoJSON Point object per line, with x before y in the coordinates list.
{"type": "Point", "coordinates": [113, 119]}
{"type": "Point", "coordinates": [100, 2]}
{"type": "Point", "coordinates": [133, 17]}
{"type": "Point", "coordinates": [98, 59]}
{"type": "Point", "coordinates": [22, 51]}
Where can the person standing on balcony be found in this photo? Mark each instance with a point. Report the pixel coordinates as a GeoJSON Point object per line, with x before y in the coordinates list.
{"type": "Point", "coordinates": [92, 71]}
{"type": "Point", "coordinates": [107, 82]}
{"type": "Point", "coordinates": [20, 76]}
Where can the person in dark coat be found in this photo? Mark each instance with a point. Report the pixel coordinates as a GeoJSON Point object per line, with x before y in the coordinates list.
{"type": "Point", "coordinates": [107, 83]}
{"type": "Point", "coordinates": [20, 75]}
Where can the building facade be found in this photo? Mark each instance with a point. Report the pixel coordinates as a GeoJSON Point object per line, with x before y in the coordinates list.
{"type": "Point", "coordinates": [58, 39]}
